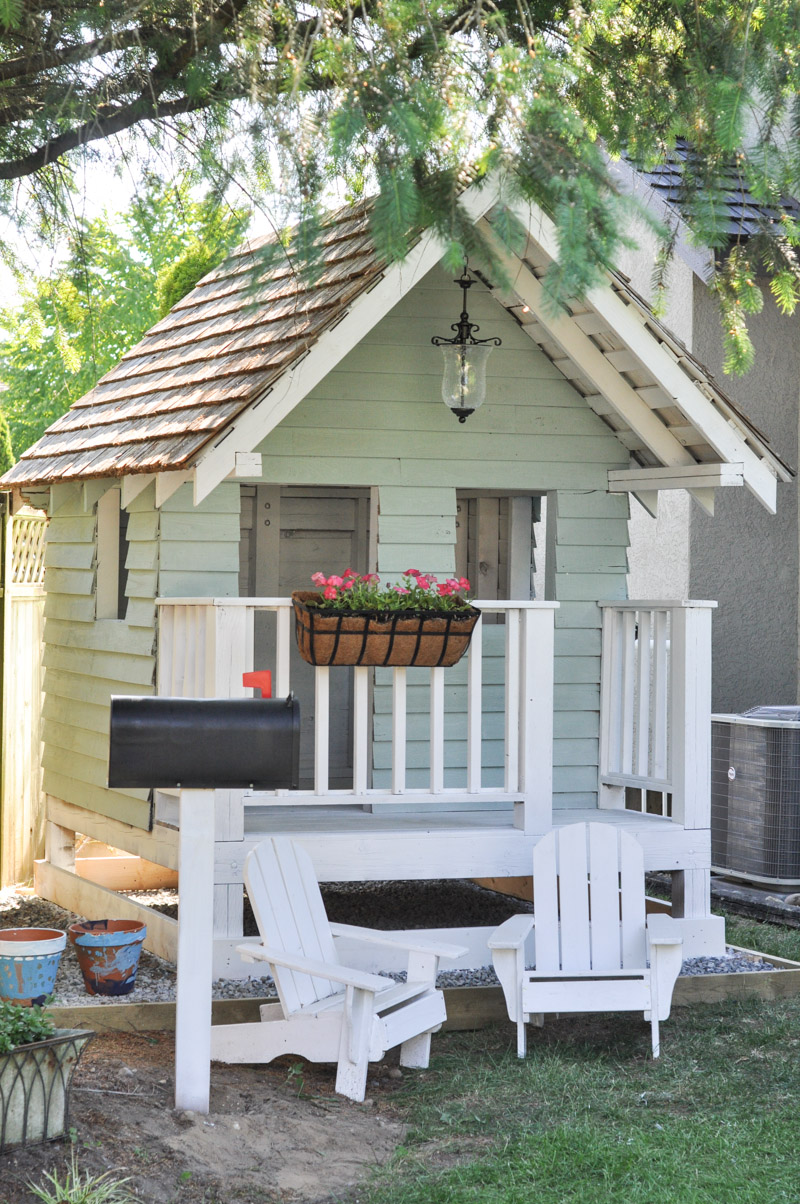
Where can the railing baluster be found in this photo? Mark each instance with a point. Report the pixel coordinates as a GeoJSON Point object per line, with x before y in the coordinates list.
{"type": "Point", "coordinates": [660, 766]}
{"type": "Point", "coordinates": [437, 731]}
{"type": "Point", "coordinates": [643, 688]}
{"type": "Point", "coordinates": [321, 728]}
{"type": "Point", "coordinates": [512, 701]}
{"type": "Point", "coordinates": [628, 689]}
{"type": "Point", "coordinates": [282, 651]}
{"type": "Point", "coordinates": [399, 731]}
{"type": "Point", "coordinates": [475, 709]}
{"type": "Point", "coordinates": [360, 730]}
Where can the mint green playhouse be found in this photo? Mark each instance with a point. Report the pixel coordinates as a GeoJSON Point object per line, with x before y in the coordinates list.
{"type": "Point", "coordinates": [257, 435]}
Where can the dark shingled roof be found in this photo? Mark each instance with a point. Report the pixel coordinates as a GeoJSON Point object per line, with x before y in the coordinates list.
{"type": "Point", "coordinates": [744, 214]}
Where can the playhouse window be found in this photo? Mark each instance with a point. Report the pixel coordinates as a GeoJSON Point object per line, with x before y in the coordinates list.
{"type": "Point", "coordinates": [112, 554]}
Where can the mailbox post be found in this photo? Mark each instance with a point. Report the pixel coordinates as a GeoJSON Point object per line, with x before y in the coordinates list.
{"type": "Point", "coordinates": [199, 745]}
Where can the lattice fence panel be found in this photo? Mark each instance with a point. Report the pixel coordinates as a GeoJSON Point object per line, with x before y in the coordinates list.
{"type": "Point", "coordinates": [28, 533]}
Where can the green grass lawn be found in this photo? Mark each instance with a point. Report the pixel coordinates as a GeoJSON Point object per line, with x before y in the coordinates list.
{"type": "Point", "coordinates": [589, 1117]}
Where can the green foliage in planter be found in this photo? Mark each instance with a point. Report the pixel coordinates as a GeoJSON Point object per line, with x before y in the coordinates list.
{"type": "Point", "coordinates": [22, 1026]}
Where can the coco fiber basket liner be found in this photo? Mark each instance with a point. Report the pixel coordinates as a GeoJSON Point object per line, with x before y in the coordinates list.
{"type": "Point", "coordinates": [405, 638]}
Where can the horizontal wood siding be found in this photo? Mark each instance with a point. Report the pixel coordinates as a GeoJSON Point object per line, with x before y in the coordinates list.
{"type": "Point", "coordinates": [180, 550]}
{"type": "Point", "coordinates": [378, 420]}
{"type": "Point", "coordinates": [86, 660]}
{"type": "Point", "coordinates": [586, 560]}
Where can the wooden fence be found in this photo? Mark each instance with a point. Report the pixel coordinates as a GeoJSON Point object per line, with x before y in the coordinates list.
{"type": "Point", "coordinates": [21, 800]}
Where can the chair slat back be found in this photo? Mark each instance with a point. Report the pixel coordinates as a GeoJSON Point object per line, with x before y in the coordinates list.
{"type": "Point", "coordinates": [286, 900]}
{"type": "Point", "coordinates": [588, 884]}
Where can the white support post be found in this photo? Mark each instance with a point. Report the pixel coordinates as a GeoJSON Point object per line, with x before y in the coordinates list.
{"type": "Point", "coordinates": [283, 651]}
{"type": "Point", "coordinates": [610, 797]}
{"type": "Point", "coordinates": [537, 658]}
{"type": "Point", "coordinates": [195, 947]}
{"type": "Point", "coordinates": [690, 726]}
{"type": "Point", "coordinates": [512, 700]}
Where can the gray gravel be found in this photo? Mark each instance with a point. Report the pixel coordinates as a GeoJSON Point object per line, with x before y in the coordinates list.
{"type": "Point", "coordinates": [439, 904]}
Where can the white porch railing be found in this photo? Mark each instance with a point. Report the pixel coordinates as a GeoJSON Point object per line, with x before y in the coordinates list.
{"type": "Point", "coordinates": [206, 644]}
{"type": "Point", "coordinates": [655, 706]}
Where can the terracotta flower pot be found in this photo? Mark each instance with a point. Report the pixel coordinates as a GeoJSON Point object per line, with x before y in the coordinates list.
{"type": "Point", "coordinates": [29, 960]}
{"type": "Point", "coordinates": [406, 638]}
{"type": "Point", "coordinates": [108, 954]}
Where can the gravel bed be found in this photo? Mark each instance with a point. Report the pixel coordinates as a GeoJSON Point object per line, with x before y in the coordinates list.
{"type": "Point", "coordinates": [440, 904]}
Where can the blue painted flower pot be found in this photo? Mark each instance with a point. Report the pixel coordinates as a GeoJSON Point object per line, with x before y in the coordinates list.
{"type": "Point", "coordinates": [29, 960]}
{"type": "Point", "coordinates": [108, 954]}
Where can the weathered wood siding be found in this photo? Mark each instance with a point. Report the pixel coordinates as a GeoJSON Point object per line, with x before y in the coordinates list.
{"type": "Point", "coordinates": [179, 550]}
{"type": "Point", "coordinates": [378, 420]}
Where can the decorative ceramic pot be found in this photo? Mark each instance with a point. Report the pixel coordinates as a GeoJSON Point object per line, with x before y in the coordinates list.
{"type": "Point", "coordinates": [29, 960]}
{"type": "Point", "coordinates": [108, 954]}
{"type": "Point", "coordinates": [405, 638]}
{"type": "Point", "coordinates": [34, 1087]}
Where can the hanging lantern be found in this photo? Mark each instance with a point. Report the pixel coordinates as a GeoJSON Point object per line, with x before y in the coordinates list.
{"type": "Point", "coordinates": [464, 380]}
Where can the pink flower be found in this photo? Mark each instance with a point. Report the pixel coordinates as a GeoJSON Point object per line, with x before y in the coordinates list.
{"type": "Point", "coordinates": [399, 590]}
{"type": "Point", "coordinates": [423, 582]}
{"type": "Point", "coordinates": [444, 589]}
{"type": "Point", "coordinates": [319, 579]}
{"type": "Point", "coordinates": [337, 581]}
{"type": "Point", "coordinates": [329, 593]}
{"type": "Point", "coordinates": [349, 573]}
{"type": "Point", "coordinates": [411, 573]}
{"type": "Point", "coordinates": [463, 583]}
{"type": "Point", "coordinates": [348, 583]}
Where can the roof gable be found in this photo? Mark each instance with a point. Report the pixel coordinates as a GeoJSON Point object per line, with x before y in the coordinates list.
{"type": "Point", "coordinates": [230, 361]}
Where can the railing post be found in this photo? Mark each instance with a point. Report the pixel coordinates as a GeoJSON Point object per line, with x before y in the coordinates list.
{"type": "Point", "coordinates": [608, 796]}
{"type": "Point", "coordinates": [690, 721]}
{"type": "Point", "coordinates": [537, 655]}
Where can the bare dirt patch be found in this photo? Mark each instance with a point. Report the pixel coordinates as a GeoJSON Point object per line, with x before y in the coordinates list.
{"type": "Point", "coordinates": [274, 1133]}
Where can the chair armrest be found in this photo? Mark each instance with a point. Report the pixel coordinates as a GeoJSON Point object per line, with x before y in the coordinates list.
{"type": "Point", "coordinates": [663, 930]}
{"type": "Point", "coordinates": [407, 941]}
{"type": "Point", "coordinates": [308, 965]}
{"type": "Point", "coordinates": [513, 933]}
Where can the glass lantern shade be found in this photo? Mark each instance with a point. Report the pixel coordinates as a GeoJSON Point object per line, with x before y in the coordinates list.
{"type": "Point", "coordinates": [464, 380]}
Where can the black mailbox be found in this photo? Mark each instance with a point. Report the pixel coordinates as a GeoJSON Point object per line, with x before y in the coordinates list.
{"type": "Point", "coordinates": [205, 743]}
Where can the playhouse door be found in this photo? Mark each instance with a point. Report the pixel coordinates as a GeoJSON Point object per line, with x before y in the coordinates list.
{"type": "Point", "coordinates": [288, 533]}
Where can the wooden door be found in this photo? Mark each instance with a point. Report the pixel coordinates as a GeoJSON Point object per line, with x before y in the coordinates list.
{"type": "Point", "coordinates": [288, 533]}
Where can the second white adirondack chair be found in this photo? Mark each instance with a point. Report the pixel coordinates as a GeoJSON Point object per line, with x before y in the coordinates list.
{"type": "Point", "coordinates": [328, 1012]}
{"type": "Point", "coordinates": [593, 948]}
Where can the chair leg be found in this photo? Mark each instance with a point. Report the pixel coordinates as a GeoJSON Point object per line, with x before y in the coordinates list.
{"type": "Point", "coordinates": [654, 1033]}
{"type": "Point", "coordinates": [521, 1038]}
{"type": "Point", "coordinates": [351, 1071]}
{"type": "Point", "coordinates": [417, 1051]}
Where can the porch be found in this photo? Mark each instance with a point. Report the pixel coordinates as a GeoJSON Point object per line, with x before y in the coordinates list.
{"type": "Point", "coordinates": [482, 738]}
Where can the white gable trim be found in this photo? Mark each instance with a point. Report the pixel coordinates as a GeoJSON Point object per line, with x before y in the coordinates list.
{"type": "Point", "coordinates": [263, 415]}
{"type": "Point", "coordinates": [626, 321]}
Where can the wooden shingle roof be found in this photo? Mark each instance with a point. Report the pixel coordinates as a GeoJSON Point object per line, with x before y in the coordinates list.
{"type": "Point", "coordinates": [200, 386]}
{"type": "Point", "coordinates": [213, 354]}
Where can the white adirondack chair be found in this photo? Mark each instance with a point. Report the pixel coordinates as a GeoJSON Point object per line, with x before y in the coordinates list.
{"type": "Point", "coordinates": [593, 948]}
{"type": "Point", "coordinates": [328, 1012]}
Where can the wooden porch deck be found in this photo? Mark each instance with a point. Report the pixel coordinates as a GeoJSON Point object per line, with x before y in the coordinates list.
{"type": "Point", "coordinates": [350, 844]}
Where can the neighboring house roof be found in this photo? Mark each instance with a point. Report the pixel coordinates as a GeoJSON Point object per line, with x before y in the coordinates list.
{"type": "Point", "coordinates": [742, 213]}
{"type": "Point", "coordinates": [221, 370]}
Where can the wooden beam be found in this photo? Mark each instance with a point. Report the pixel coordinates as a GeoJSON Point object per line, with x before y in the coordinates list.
{"type": "Point", "coordinates": [84, 898]}
{"type": "Point", "coordinates": [709, 476]}
{"type": "Point", "coordinates": [132, 486]}
{"type": "Point", "coordinates": [627, 321]}
{"type": "Point", "coordinates": [168, 483]}
{"type": "Point", "coordinates": [247, 467]}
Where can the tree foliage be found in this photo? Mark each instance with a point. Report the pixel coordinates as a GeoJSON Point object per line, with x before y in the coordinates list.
{"type": "Point", "coordinates": [404, 96]}
{"type": "Point", "coordinates": [72, 326]}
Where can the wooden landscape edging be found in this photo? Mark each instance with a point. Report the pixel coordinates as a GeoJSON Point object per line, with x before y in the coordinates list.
{"type": "Point", "coordinates": [467, 1007]}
